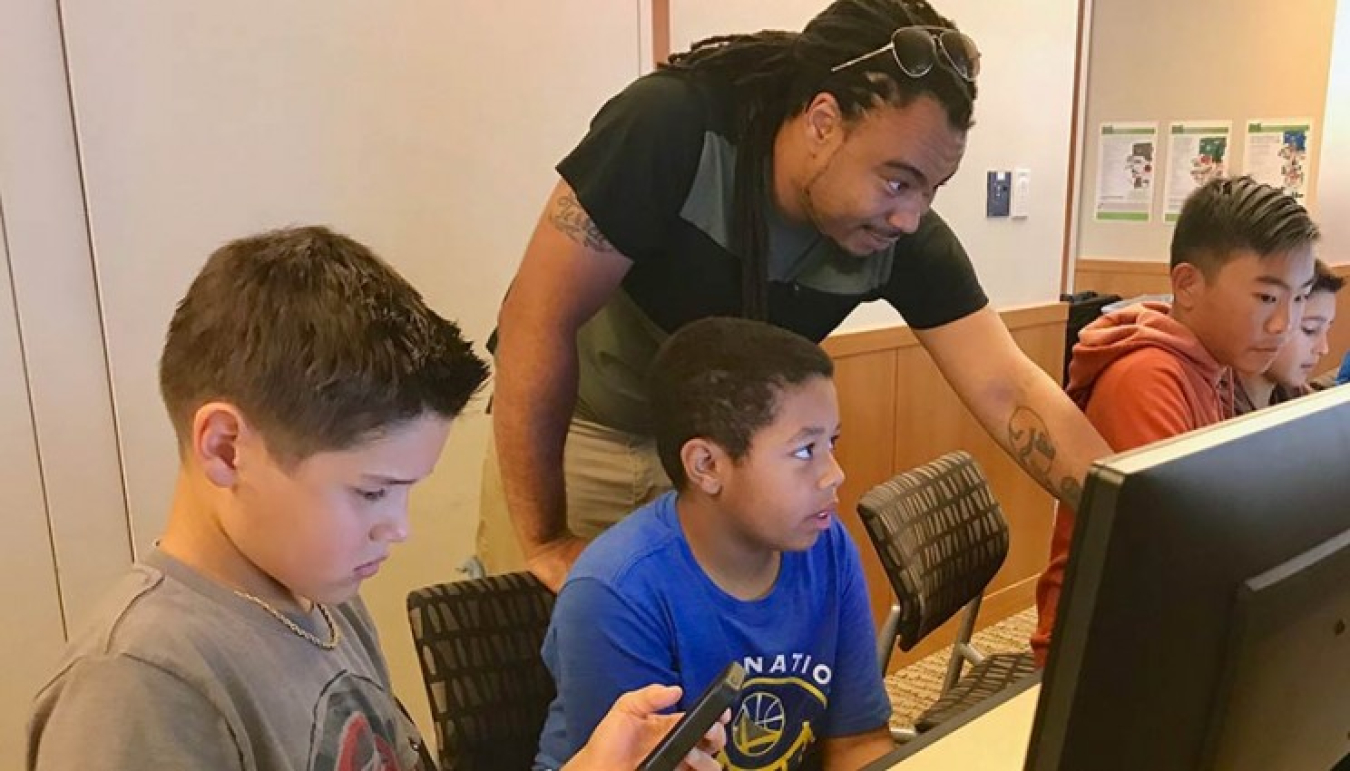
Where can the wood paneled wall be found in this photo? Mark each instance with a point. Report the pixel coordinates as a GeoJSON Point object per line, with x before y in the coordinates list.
{"type": "Point", "coordinates": [898, 413]}
{"type": "Point", "coordinates": [1128, 278]}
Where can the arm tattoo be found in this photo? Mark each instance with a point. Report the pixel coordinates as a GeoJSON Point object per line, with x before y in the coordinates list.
{"type": "Point", "coordinates": [568, 217]}
{"type": "Point", "coordinates": [1030, 444]}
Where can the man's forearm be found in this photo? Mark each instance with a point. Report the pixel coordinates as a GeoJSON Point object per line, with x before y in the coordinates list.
{"type": "Point", "coordinates": [1017, 403]}
{"type": "Point", "coordinates": [531, 413]}
{"type": "Point", "coordinates": [1048, 436]}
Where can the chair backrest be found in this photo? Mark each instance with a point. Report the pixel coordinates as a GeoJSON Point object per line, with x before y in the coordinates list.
{"type": "Point", "coordinates": [478, 642]}
{"type": "Point", "coordinates": [941, 537]}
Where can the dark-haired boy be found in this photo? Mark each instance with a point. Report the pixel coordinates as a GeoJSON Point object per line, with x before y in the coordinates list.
{"type": "Point", "coordinates": [744, 561]}
{"type": "Point", "coordinates": [1241, 268]}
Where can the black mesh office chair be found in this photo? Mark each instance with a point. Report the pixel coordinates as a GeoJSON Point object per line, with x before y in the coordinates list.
{"type": "Point", "coordinates": [941, 537]}
{"type": "Point", "coordinates": [478, 643]}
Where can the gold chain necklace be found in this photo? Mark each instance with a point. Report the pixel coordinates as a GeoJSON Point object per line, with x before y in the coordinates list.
{"type": "Point", "coordinates": [334, 634]}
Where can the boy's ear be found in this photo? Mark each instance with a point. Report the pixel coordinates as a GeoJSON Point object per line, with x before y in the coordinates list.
{"type": "Point", "coordinates": [216, 431]}
{"type": "Point", "coordinates": [1188, 283]}
{"type": "Point", "coordinates": [704, 463]}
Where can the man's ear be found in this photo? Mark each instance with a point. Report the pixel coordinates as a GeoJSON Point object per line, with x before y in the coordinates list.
{"type": "Point", "coordinates": [1188, 283]}
{"type": "Point", "coordinates": [217, 430]}
{"type": "Point", "coordinates": [705, 465]}
{"type": "Point", "coordinates": [823, 120]}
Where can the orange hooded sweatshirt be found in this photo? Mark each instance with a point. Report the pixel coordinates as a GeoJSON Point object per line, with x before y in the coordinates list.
{"type": "Point", "coordinates": [1140, 376]}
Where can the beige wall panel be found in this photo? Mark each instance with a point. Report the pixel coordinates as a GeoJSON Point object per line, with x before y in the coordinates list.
{"type": "Point", "coordinates": [866, 384]}
{"type": "Point", "coordinates": [1127, 278]}
{"type": "Point", "coordinates": [31, 631]}
{"type": "Point", "coordinates": [57, 303]}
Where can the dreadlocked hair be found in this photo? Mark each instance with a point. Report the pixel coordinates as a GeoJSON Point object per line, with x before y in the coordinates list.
{"type": "Point", "coordinates": [773, 75]}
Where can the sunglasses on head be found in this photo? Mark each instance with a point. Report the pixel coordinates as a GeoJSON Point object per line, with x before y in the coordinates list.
{"type": "Point", "coordinates": [916, 51]}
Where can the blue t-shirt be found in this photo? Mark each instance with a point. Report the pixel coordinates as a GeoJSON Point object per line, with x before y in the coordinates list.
{"type": "Point", "coordinates": [637, 609]}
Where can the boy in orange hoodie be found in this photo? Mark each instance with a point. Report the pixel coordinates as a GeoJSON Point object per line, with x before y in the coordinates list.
{"type": "Point", "coordinates": [1242, 264]}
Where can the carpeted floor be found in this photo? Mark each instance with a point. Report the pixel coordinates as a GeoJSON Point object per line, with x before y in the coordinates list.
{"type": "Point", "coordinates": [918, 685]}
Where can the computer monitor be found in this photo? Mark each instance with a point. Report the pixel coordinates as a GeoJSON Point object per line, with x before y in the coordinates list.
{"type": "Point", "coordinates": [1203, 619]}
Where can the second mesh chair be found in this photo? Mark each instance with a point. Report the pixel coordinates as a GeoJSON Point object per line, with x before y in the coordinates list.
{"type": "Point", "coordinates": [941, 537]}
{"type": "Point", "coordinates": [478, 643]}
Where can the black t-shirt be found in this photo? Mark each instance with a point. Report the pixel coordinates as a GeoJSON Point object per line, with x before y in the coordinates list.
{"type": "Point", "coordinates": [656, 173]}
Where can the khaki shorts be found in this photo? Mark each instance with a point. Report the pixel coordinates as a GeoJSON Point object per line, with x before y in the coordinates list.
{"type": "Point", "coordinates": [609, 473]}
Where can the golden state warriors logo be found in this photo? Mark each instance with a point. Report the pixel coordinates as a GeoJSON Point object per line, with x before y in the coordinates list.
{"type": "Point", "coordinates": [771, 727]}
{"type": "Point", "coordinates": [759, 724]}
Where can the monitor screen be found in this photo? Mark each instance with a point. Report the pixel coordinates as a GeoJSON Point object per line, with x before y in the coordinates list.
{"type": "Point", "coordinates": [1179, 620]}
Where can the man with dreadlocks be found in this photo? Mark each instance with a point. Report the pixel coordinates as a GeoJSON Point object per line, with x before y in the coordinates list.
{"type": "Point", "coordinates": [778, 176]}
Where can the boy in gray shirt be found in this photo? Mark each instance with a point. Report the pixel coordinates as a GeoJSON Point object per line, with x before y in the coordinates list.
{"type": "Point", "coordinates": [310, 387]}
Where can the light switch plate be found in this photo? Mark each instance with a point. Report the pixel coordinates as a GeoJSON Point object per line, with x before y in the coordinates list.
{"type": "Point", "coordinates": [998, 198]}
{"type": "Point", "coordinates": [1021, 194]}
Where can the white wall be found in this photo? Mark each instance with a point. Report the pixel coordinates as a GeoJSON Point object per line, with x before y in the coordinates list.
{"type": "Point", "coordinates": [1168, 60]}
{"type": "Point", "coordinates": [1023, 120]}
{"type": "Point", "coordinates": [1334, 172]}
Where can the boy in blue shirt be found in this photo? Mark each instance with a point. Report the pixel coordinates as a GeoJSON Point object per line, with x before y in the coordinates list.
{"type": "Point", "coordinates": [745, 560]}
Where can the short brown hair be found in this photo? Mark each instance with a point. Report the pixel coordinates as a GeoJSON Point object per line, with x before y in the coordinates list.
{"type": "Point", "coordinates": [318, 341]}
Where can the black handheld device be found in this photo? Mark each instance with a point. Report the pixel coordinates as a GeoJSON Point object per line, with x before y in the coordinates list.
{"type": "Point", "coordinates": [720, 694]}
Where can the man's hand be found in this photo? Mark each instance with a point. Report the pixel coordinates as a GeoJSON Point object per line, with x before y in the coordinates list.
{"type": "Point", "coordinates": [551, 561]}
{"type": "Point", "coordinates": [633, 728]}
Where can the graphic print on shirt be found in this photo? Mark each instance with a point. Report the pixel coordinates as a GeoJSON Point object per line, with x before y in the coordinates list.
{"type": "Point", "coordinates": [355, 730]}
{"type": "Point", "coordinates": [771, 726]}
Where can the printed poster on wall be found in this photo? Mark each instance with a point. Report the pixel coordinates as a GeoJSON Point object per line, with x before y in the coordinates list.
{"type": "Point", "coordinates": [1125, 162]}
{"type": "Point", "coordinates": [1197, 151]}
{"type": "Point", "coordinates": [1277, 154]}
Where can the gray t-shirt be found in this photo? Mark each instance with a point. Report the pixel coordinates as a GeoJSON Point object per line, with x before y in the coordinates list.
{"type": "Point", "coordinates": [179, 672]}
